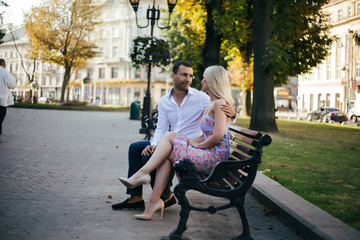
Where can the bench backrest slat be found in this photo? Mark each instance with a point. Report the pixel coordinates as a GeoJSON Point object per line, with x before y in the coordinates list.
{"type": "Point", "coordinates": [242, 138]}
{"type": "Point", "coordinates": [241, 148]}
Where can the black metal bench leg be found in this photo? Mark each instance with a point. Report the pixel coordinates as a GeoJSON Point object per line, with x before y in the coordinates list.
{"type": "Point", "coordinates": [245, 235]}
{"type": "Point", "coordinates": [184, 214]}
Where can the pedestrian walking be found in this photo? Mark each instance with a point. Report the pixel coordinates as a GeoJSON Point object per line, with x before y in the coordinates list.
{"type": "Point", "coordinates": [7, 81]}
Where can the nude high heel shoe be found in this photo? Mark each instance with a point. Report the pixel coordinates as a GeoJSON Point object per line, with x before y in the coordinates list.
{"type": "Point", "coordinates": [143, 180]}
{"type": "Point", "coordinates": [158, 206]}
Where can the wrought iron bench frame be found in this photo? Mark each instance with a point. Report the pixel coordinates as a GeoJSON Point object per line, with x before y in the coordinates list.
{"type": "Point", "coordinates": [229, 179]}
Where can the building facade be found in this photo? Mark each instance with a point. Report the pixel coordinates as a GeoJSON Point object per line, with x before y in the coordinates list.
{"type": "Point", "coordinates": [335, 82]}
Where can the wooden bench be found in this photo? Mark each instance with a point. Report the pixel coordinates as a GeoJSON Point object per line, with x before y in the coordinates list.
{"type": "Point", "coordinates": [230, 179]}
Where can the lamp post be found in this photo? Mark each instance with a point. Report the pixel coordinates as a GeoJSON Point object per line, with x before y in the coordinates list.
{"type": "Point", "coordinates": [152, 16]}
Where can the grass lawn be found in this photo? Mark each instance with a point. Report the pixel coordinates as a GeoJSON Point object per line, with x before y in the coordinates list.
{"type": "Point", "coordinates": [319, 162]}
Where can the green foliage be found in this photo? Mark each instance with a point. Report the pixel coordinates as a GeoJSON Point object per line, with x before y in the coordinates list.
{"type": "Point", "coordinates": [187, 35]}
{"type": "Point", "coordinates": [325, 173]}
{"type": "Point", "coordinates": [300, 38]}
{"type": "Point", "coordinates": [152, 50]}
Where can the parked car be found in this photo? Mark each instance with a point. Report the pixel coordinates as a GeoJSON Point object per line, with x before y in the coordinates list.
{"type": "Point", "coordinates": [44, 100]}
{"type": "Point", "coordinates": [327, 114]}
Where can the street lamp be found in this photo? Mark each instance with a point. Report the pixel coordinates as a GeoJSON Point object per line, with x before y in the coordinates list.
{"type": "Point", "coordinates": [152, 16]}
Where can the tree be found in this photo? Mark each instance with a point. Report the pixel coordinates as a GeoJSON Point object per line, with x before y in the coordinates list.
{"type": "Point", "coordinates": [33, 56]}
{"type": "Point", "coordinates": [187, 35]}
{"type": "Point", "coordinates": [2, 33]}
{"type": "Point", "coordinates": [58, 30]}
{"type": "Point", "coordinates": [238, 43]}
{"type": "Point", "coordinates": [299, 40]}
{"type": "Point", "coordinates": [290, 37]}
{"type": "Point", "coordinates": [262, 117]}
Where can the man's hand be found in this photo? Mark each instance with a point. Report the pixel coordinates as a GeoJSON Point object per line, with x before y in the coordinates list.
{"type": "Point", "coordinates": [148, 150]}
{"type": "Point", "coordinates": [228, 110]}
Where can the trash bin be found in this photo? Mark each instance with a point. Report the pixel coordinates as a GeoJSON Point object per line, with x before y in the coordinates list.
{"type": "Point", "coordinates": [135, 110]}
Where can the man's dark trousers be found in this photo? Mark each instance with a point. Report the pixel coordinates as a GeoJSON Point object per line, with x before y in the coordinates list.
{"type": "Point", "coordinates": [136, 161]}
{"type": "Point", "coordinates": [2, 115]}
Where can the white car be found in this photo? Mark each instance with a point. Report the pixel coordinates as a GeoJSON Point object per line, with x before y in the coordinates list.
{"type": "Point", "coordinates": [44, 100]}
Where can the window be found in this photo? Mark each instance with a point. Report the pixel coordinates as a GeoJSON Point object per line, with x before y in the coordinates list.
{"type": "Point", "coordinates": [357, 69]}
{"type": "Point", "coordinates": [340, 15]}
{"type": "Point", "coordinates": [101, 73]}
{"type": "Point", "coordinates": [89, 72]}
{"type": "Point", "coordinates": [338, 71]}
{"type": "Point", "coordinates": [101, 52]}
{"type": "Point", "coordinates": [115, 32]}
{"type": "Point", "coordinates": [11, 54]}
{"type": "Point", "coordinates": [330, 18]}
{"type": "Point", "coordinates": [337, 100]}
{"type": "Point", "coordinates": [328, 72]}
{"type": "Point", "coordinates": [349, 11]}
{"type": "Point", "coordinates": [327, 100]}
{"type": "Point", "coordinates": [114, 51]}
{"type": "Point", "coordinates": [115, 14]}
{"type": "Point", "coordinates": [114, 72]}
{"type": "Point", "coordinates": [339, 43]}
{"type": "Point", "coordinates": [11, 67]}
{"type": "Point", "coordinates": [102, 34]}
{"type": "Point", "coordinates": [358, 8]}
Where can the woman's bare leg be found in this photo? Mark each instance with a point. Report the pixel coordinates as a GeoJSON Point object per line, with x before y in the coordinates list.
{"type": "Point", "coordinates": [161, 180]}
{"type": "Point", "coordinates": [162, 152]}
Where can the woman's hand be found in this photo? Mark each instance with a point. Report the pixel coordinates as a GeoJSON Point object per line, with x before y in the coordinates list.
{"type": "Point", "coordinates": [193, 142]}
{"type": "Point", "coordinates": [148, 150]}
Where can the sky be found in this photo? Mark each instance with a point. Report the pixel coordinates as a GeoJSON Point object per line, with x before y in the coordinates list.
{"type": "Point", "coordinates": [14, 13]}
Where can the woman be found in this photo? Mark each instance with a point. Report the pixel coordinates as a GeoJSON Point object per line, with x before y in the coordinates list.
{"type": "Point", "coordinates": [204, 151]}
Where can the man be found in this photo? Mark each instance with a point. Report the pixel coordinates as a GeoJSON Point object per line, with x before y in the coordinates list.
{"type": "Point", "coordinates": [182, 108]}
{"type": "Point", "coordinates": [7, 81]}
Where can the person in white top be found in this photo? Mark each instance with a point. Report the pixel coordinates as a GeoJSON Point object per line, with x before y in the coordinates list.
{"type": "Point", "coordinates": [182, 109]}
{"type": "Point", "coordinates": [7, 81]}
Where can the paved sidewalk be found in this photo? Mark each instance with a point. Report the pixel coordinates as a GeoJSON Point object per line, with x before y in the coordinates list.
{"type": "Point", "coordinates": [57, 169]}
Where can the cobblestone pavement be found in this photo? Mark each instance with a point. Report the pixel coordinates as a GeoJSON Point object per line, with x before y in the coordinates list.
{"type": "Point", "coordinates": [57, 169]}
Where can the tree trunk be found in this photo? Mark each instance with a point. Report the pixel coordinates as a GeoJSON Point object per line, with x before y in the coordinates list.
{"type": "Point", "coordinates": [65, 82]}
{"type": "Point", "coordinates": [211, 51]}
{"type": "Point", "coordinates": [263, 114]}
{"type": "Point", "coordinates": [248, 102]}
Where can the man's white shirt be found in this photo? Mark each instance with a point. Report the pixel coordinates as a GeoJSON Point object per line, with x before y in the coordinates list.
{"type": "Point", "coordinates": [184, 119]}
{"type": "Point", "coordinates": [7, 81]}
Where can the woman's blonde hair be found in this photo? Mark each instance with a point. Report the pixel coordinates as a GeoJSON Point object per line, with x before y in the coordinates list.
{"type": "Point", "coordinates": [218, 80]}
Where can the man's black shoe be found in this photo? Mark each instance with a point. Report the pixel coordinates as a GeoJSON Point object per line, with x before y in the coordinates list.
{"type": "Point", "coordinates": [126, 205]}
{"type": "Point", "coordinates": [171, 201]}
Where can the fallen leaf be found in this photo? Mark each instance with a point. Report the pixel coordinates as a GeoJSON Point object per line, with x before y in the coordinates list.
{"type": "Point", "coordinates": [282, 165]}
{"type": "Point", "coordinates": [267, 212]}
{"type": "Point", "coordinates": [274, 177]}
{"type": "Point", "coordinates": [102, 158]}
{"type": "Point", "coordinates": [348, 186]}
{"type": "Point", "coordinates": [335, 181]}
{"type": "Point", "coordinates": [108, 201]}
{"type": "Point", "coordinates": [267, 170]}
{"type": "Point", "coordinates": [109, 196]}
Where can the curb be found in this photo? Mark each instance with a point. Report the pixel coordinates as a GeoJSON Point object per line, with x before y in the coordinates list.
{"type": "Point", "coordinates": [306, 219]}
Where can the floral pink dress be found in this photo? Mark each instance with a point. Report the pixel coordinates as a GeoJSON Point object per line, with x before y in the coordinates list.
{"type": "Point", "coordinates": [204, 159]}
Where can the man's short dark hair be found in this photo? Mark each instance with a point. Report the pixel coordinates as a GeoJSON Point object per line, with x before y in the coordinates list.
{"type": "Point", "coordinates": [179, 63]}
{"type": "Point", "coordinates": [2, 61]}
